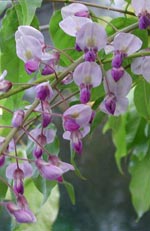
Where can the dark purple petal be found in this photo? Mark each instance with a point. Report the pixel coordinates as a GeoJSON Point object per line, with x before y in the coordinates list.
{"type": "Point", "coordinates": [110, 104]}
{"type": "Point", "coordinates": [31, 66]}
{"type": "Point", "coordinates": [144, 22]}
{"type": "Point", "coordinates": [85, 94]}
{"type": "Point", "coordinates": [117, 73]}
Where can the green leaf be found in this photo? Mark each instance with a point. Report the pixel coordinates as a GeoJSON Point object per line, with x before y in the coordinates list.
{"type": "Point", "coordinates": [143, 35]}
{"type": "Point", "coordinates": [119, 23]}
{"type": "Point", "coordinates": [61, 40]}
{"type": "Point", "coordinates": [28, 10]}
{"type": "Point", "coordinates": [140, 185]}
{"type": "Point", "coordinates": [142, 98]}
{"type": "Point", "coordinates": [70, 189]}
{"type": "Point", "coordinates": [118, 126]}
{"type": "Point", "coordinates": [44, 186]}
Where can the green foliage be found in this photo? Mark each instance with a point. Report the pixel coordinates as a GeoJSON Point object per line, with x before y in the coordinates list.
{"type": "Point", "coordinates": [28, 10]}
{"type": "Point", "coordinates": [70, 189]}
{"type": "Point", "coordinates": [142, 99]}
{"type": "Point", "coordinates": [140, 184]}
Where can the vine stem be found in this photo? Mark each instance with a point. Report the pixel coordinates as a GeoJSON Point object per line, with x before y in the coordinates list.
{"type": "Point", "coordinates": [109, 8]}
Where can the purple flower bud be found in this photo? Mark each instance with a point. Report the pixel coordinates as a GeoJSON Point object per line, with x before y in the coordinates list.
{"type": "Point", "coordinates": [117, 73]}
{"type": "Point", "coordinates": [85, 94]}
{"type": "Point", "coordinates": [44, 91]}
{"type": "Point", "coordinates": [76, 141]}
{"type": "Point", "coordinates": [110, 104]}
{"type": "Point", "coordinates": [46, 115]}
{"type": "Point", "coordinates": [5, 85]}
{"type": "Point", "coordinates": [31, 66]}
{"type": "Point", "coordinates": [117, 60]}
{"type": "Point", "coordinates": [18, 118]}
{"type": "Point", "coordinates": [48, 70]}
{"type": "Point", "coordinates": [18, 181]}
{"type": "Point", "coordinates": [38, 151]}
{"type": "Point", "coordinates": [2, 160]}
{"type": "Point", "coordinates": [144, 21]}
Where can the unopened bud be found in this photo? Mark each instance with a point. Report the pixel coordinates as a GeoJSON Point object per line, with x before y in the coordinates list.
{"type": "Point", "coordinates": [18, 118]}
{"type": "Point", "coordinates": [5, 86]}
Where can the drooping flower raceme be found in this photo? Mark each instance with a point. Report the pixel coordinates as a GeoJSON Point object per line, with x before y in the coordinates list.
{"type": "Point", "coordinates": [142, 10]}
{"type": "Point", "coordinates": [87, 75]}
{"type": "Point", "coordinates": [91, 38]}
{"type": "Point", "coordinates": [76, 121]}
{"type": "Point", "coordinates": [74, 17]}
{"type": "Point", "coordinates": [116, 101]}
{"type": "Point", "coordinates": [124, 44]}
{"type": "Point", "coordinates": [54, 168]}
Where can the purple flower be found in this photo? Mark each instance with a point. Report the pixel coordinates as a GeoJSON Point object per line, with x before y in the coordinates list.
{"type": "Point", "coordinates": [87, 75]}
{"type": "Point", "coordinates": [72, 24]}
{"type": "Point", "coordinates": [44, 91]}
{"type": "Point", "coordinates": [116, 102]}
{"type": "Point", "coordinates": [50, 60]}
{"type": "Point", "coordinates": [18, 174]}
{"type": "Point", "coordinates": [75, 9]}
{"type": "Point", "coordinates": [21, 211]}
{"type": "Point", "coordinates": [74, 17]}
{"type": "Point", "coordinates": [54, 168]}
{"type": "Point", "coordinates": [142, 10]}
{"type": "Point", "coordinates": [5, 85]}
{"type": "Point", "coordinates": [18, 118]}
{"type": "Point", "coordinates": [43, 138]}
{"type": "Point", "coordinates": [126, 43]}
{"type": "Point", "coordinates": [140, 66]}
{"type": "Point", "coordinates": [76, 121]}
{"type": "Point", "coordinates": [117, 73]}
{"type": "Point", "coordinates": [91, 38]}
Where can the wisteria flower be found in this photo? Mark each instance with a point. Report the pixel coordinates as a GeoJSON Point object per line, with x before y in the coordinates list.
{"type": "Point", "coordinates": [142, 10]}
{"type": "Point", "coordinates": [76, 9]}
{"type": "Point", "coordinates": [76, 121]}
{"type": "Point", "coordinates": [116, 101]}
{"type": "Point", "coordinates": [18, 173]}
{"type": "Point", "coordinates": [54, 168]}
{"type": "Point", "coordinates": [18, 118]}
{"type": "Point", "coordinates": [74, 17]}
{"type": "Point", "coordinates": [44, 91]}
{"type": "Point", "coordinates": [87, 75]}
{"type": "Point", "coordinates": [20, 211]}
{"type": "Point", "coordinates": [91, 38]}
{"type": "Point", "coordinates": [31, 48]}
{"type": "Point", "coordinates": [72, 24]}
{"type": "Point", "coordinates": [141, 66]}
{"type": "Point", "coordinates": [5, 85]}
{"type": "Point", "coordinates": [42, 138]}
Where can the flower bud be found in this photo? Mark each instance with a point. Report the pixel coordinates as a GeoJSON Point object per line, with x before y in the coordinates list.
{"type": "Point", "coordinates": [110, 104]}
{"type": "Point", "coordinates": [44, 91]}
{"type": "Point", "coordinates": [18, 118]}
{"type": "Point", "coordinates": [117, 73]}
{"type": "Point", "coordinates": [18, 181]}
{"type": "Point", "coordinates": [144, 21]}
{"type": "Point", "coordinates": [2, 160]}
{"type": "Point", "coordinates": [5, 86]}
{"type": "Point", "coordinates": [85, 95]}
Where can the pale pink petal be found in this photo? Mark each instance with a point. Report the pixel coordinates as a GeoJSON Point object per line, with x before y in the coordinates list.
{"type": "Point", "coordinates": [31, 31]}
{"type": "Point", "coordinates": [136, 66]}
{"type": "Point", "coordinates": [72, 24]}
{"type": "Point", "coordinates": [67, 135]}
{"type": "Point", "coordinates": [146, 68]}
{"type": "Point", "coordinates": [127, 43]}
{"type": "Point", "coordinates": [88, 73]}
{"type": "Point", "coordinates": [91, 35]}
{"type": "Point", "coordinates": [72, 9]}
